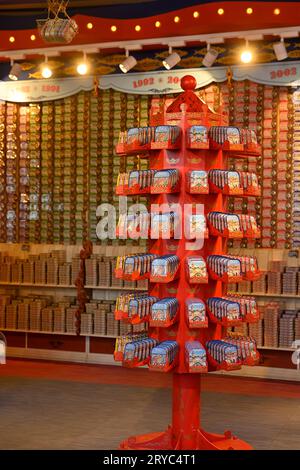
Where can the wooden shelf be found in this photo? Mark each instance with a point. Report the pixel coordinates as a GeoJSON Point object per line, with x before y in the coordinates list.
{"type": "Point", "coordinates": [18, 284]}
{"type": "Point", "coordinates": [63, 286]}
{"type": "Point", "coordinates": [115, 288]}
{"type": "Point", "coordinates": [57, 333]}
{"type": "Point", "coordinates": [39, 332]}
{"type": "Point", "coordinates": [279, 296]}
{"type": "Point", "coordinates": [100, 336]}
{"type": "Point", "coordinates": [276, 349]}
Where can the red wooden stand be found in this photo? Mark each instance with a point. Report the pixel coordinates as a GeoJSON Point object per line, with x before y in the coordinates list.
{"type": "Point", "coordinates": [185, 431]}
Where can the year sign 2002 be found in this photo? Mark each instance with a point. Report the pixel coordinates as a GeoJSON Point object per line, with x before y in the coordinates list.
{"type": "Point", "coordinates": [155, 81]}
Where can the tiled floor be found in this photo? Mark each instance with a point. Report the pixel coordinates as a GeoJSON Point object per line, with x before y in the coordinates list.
{"type": "Point", "coordinates": [92, 407]}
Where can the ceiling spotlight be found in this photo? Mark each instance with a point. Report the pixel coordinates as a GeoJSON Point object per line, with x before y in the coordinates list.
{"type": "Point", "coordinates": [172, 60]}
{"type": "Point", "coordinates": [83, 67]}
{"type": "Point", "coordinates": [210, 56]}
{"type": "Point", "coordinates": [246, 55]}
{"type": "Point", "coordinates": [280, 50]}
{"type": "Point", "coordinates": [15, 71]}
{"type": "Point", "coordinates": [45, 69]}
{"type": "Point", "coordinates": [128, 63]}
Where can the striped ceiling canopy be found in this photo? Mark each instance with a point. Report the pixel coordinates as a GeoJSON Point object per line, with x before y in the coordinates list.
{"type": "Point", "coordinates": [129, 21]}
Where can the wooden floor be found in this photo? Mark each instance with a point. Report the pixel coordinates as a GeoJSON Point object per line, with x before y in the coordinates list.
{"type": "Point", "coordinates": [66, 406]}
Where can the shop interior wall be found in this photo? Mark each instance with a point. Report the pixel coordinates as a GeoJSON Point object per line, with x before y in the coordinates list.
{"type": "Point", "coordinates": [58, 162]}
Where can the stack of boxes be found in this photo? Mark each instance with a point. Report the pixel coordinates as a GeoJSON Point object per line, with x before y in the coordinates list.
{"type": "Point", "coordinates": [297, 327]}
{"type": "Point", "coordinates": [274, 283]}
{"type": "Point", "coordinates": [47, 319]}
{"type": "Point", "coordinates": [286, 328]}
{"type": "Point", "coordinates": [256, 331]}
{"type": "Point", "coordinates": [23, 315]}
{"type": "Point", "coordinates": [40, 270]}
{"type": "Point", "coordinates": [17, 272]}
{"type": "Point", "coordinates": [289, 281]}
{"type": "Point", "coordinates": [103, 319]}
{"type": "Point", "coordinates": [11, 315]}
{"type": "Point", "coordinates": [5, 271]}
{"type": "Point", "coordinates": [91, 271]}
{"type": "Point", "coordinates": [75, 268]}
{"type": "Point", "coordinates": [260, 286]}
{"type": "Point", "coordinates": [45, 268]}
{"type": "Point", "coordinates": [4, 301]}
{"type": "Point", "coordinates": [52, 271]}
{"type": "Point", "coordinates": [35, 314]}
{"type": "Point", "coordinates": [271, 322]}
{"type": "Point", "coordinates": [245, 287]}
{"type": "Point", "coordinates": [59, 318]}
{"type": "Point", "coordinates": [99, 271]}
{"type": "Point", "coordinates": [64, 274]}
{"type": "Point", "coordinates": [71, 319]}
{"type": "Point", "coordinates": [86, 324]}
{"type": "Point", "coordinates": [112, 326]}
{"type": "Point", "coordinates": [104, 272]}
{"type": "Point", "coordinates": [28, 272]}
{"type": "Point", "coordinates": [278, 280]}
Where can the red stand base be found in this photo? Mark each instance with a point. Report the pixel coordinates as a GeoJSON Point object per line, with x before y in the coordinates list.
{"type": "Point", "coordinates": [203, 441]}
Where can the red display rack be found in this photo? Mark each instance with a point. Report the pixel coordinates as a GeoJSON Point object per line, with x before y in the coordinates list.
{"type": "Point", "coordinates": [197, 324]}
{"type": "Point", "coordinates": [135, 363]}
{"type": "Point", "coordinates": [185, 432]}
{"type": "Point", "coordinates": [213, 188]}
{"type": "Point", "coordinates": [161, 324]}
{"type": "Point", "coordinates": [227, 147]}
{"type": "Point", "coordinates": [224, 321]}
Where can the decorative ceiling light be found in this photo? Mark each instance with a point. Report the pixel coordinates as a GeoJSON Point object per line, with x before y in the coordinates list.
{"type": "Point", "coordinates": [157, 24]}
{"type": "Point", "coordinates": [83, 67]}
{"type": "Point", "coordinates": [138, 28]}
{"type": "Point", "coordinates": [249, 11]}
{"type": "Point", "coordinates": [11, 39]}
{"type": "Point", "coordinates": [246, 55]}
{"type": "Point", "coordinates": [176, 19]}
{"type": "Point", "coordinates": [221, 11]}
{"type": "Point", "coordinates": [210, 56]}
{"type": "Point", "coordinates": [196, 14]}
{"type": "Point", "coordinates": [172, 60]}
{"type": "Point", "coordinates": [128, 63]}
{"type": "Point", "coordinates": [276, 11]}
{"type": "Point", "coordinates": [280, 50]}
{"type": "Point", "coordinates": [33, 37]}
{"type": "Point", "coordinates": [58, 27]}
{"type": "Point", "coordinates": [89, 25]}
{"type": "Point", "coordinates": [45, 69]}
{"type": "Point", "coordinates": [15, 71]}
{"type": "Point", "coordinates": [113, 28]}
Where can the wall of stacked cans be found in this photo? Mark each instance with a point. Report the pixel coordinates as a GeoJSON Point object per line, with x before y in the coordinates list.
{"type": "Point", "coordinates": [57, 162]}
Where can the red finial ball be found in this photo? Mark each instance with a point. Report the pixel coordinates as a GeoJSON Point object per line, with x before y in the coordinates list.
{"type": "Point", "coordinates": [188, 82]}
